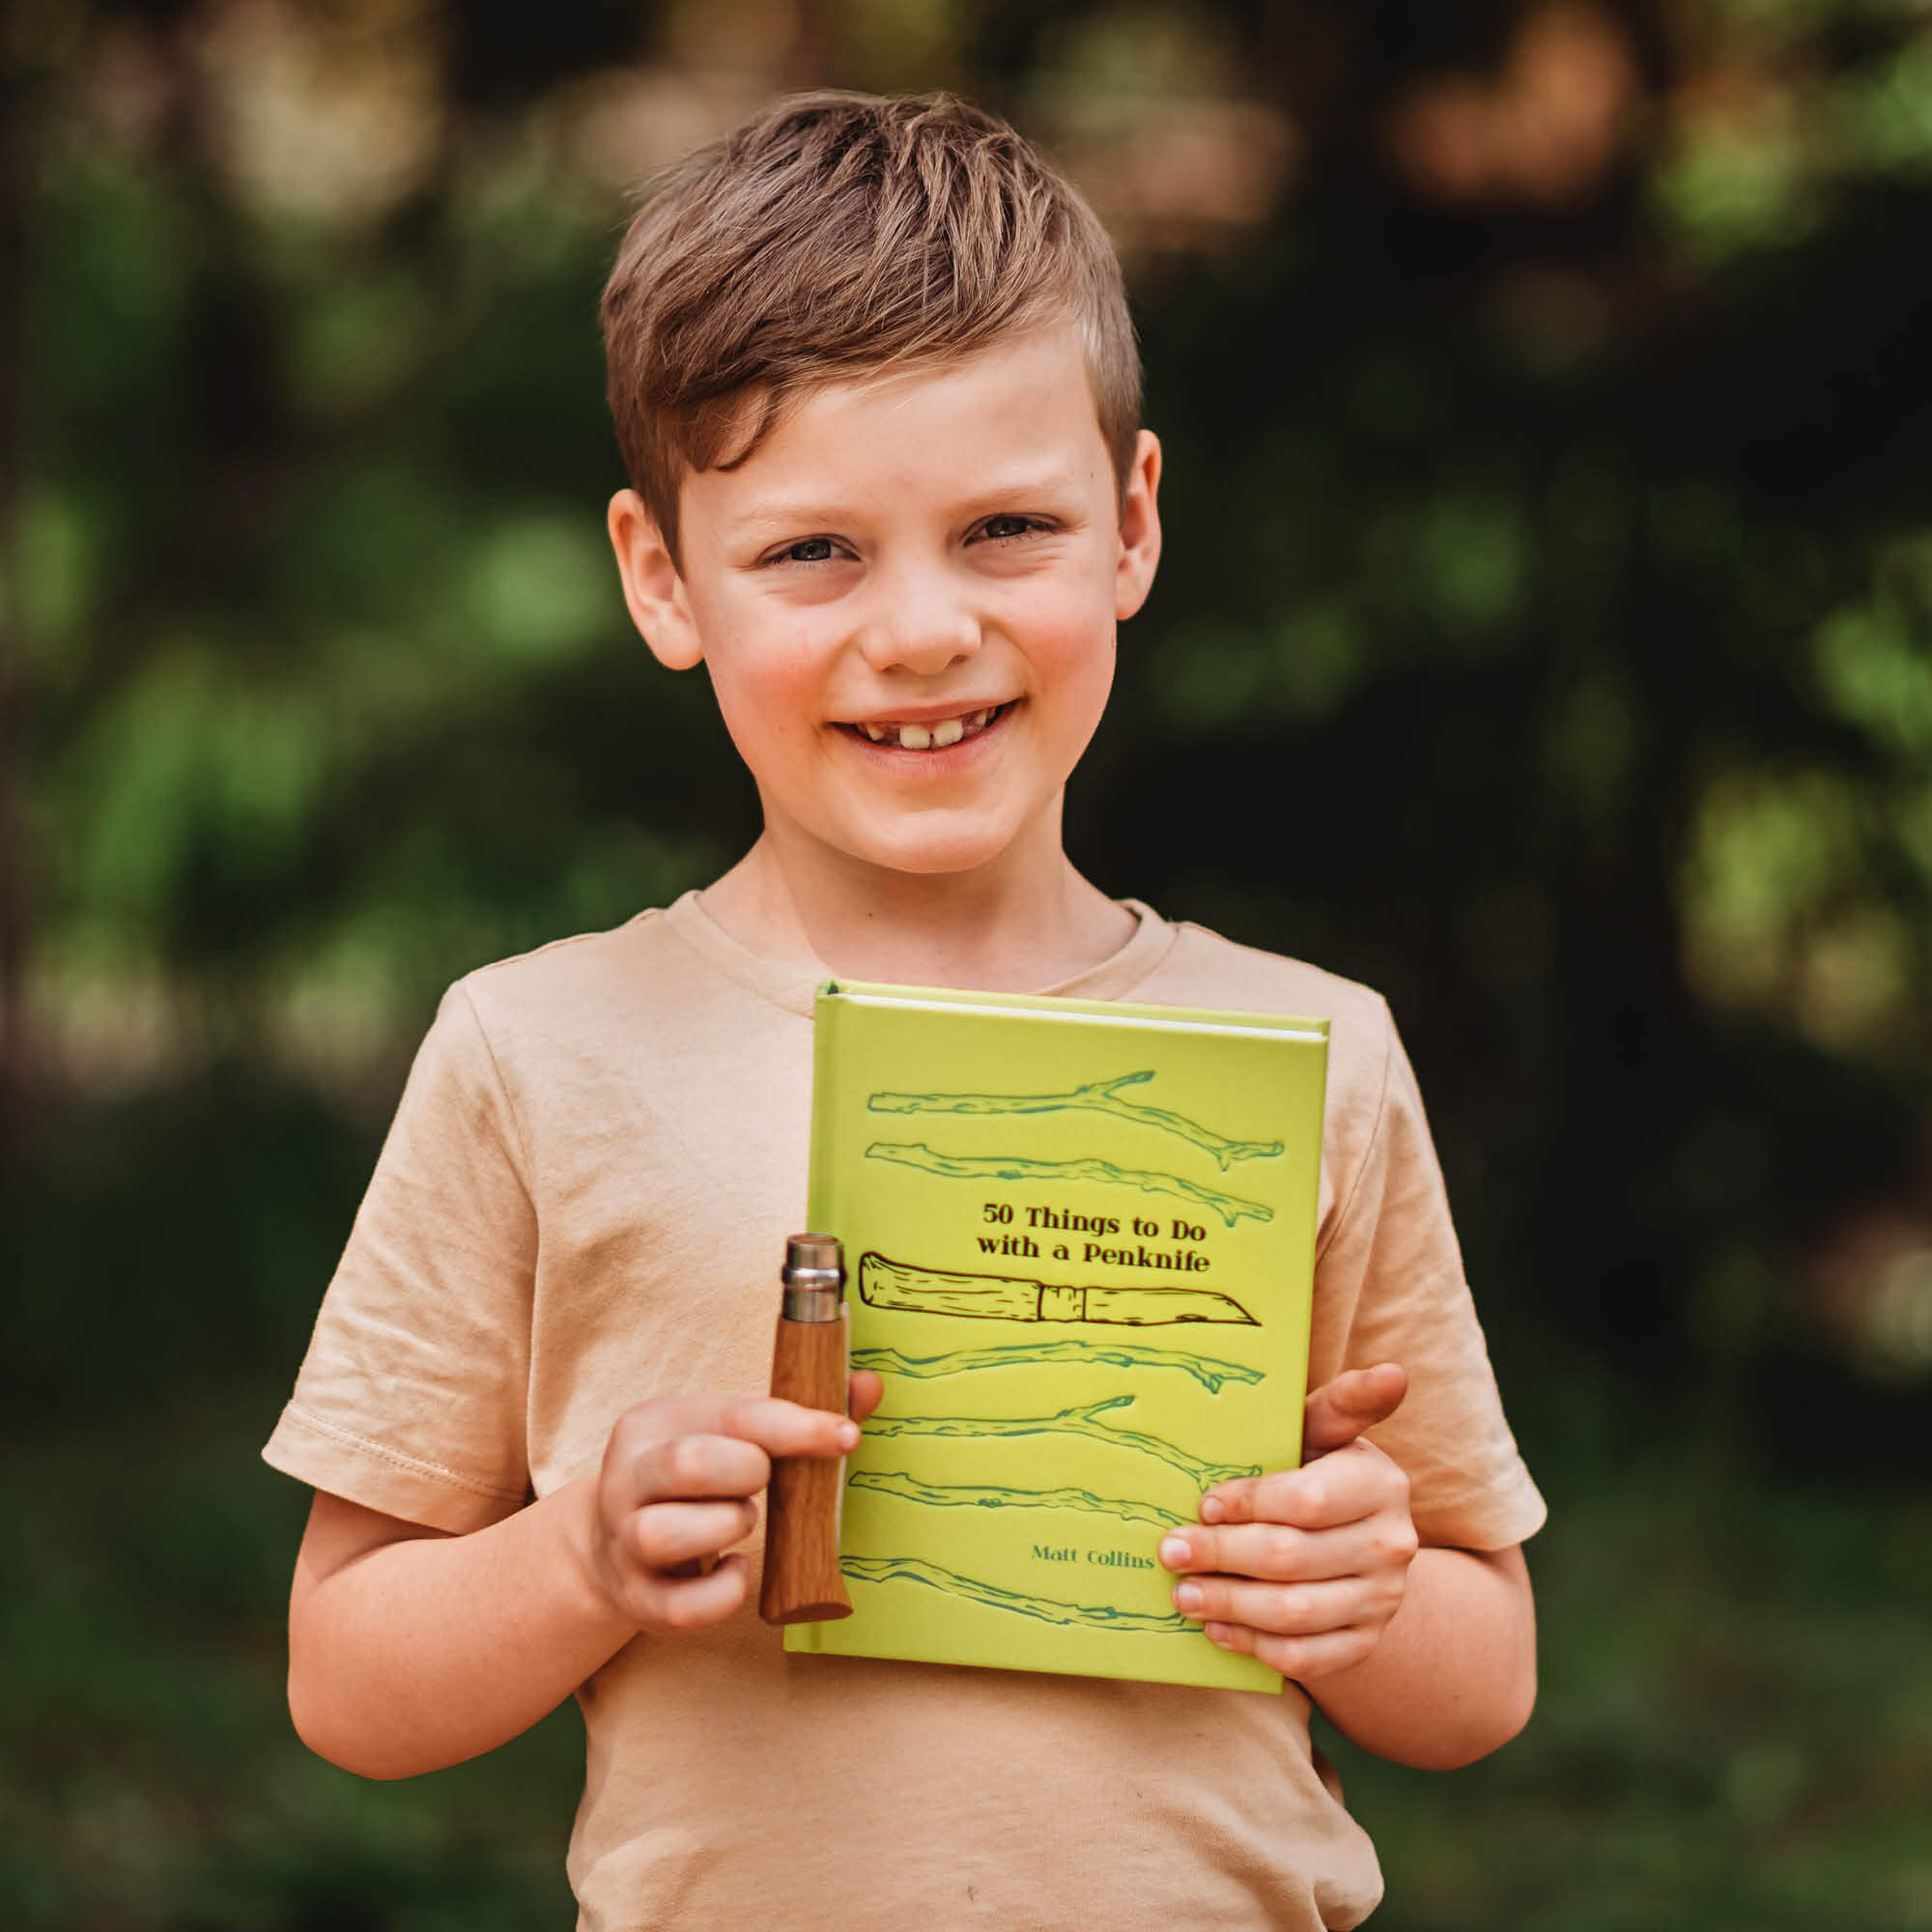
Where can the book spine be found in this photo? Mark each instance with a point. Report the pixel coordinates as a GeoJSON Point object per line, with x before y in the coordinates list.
{"type": "Point", "coordinates": [823, 1204]}
{"type": "Point", "coordinates": [822, 1211]}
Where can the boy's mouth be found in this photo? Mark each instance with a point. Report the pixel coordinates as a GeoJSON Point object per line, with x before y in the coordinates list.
{"type": "Point", "coordinates": [933, 734]}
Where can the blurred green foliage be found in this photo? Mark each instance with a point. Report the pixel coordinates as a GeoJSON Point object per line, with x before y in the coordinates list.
{"type": "Point", "coordinates": [1545, 391]}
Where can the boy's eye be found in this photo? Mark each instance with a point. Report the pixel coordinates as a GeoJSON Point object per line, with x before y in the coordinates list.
{"type": "Point", "coordinates": [997, 527]}
{"type": "Point", "coordinates": [808, 549]}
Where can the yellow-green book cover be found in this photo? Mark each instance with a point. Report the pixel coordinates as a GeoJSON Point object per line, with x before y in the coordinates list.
{"type": "Point", "coordinates": [1080, 1241]}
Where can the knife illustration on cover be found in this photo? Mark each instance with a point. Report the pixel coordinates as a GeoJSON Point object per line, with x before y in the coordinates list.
{"type": "Point", "coordinates": [999, 1298]}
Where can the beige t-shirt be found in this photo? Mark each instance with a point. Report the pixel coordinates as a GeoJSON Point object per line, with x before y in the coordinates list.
{"type": "Point", "coordinates": [582, 1204]}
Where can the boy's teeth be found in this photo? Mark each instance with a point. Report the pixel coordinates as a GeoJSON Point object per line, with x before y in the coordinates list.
{"type": "Point", "coordinates": [930, 737]}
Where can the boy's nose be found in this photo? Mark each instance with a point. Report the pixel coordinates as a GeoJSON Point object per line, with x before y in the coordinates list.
{"type": "Point", "coordinates": [920, 629]}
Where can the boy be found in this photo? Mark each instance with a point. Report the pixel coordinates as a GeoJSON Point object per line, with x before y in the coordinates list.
{"type": "Point", "coordinates": [876, 388]}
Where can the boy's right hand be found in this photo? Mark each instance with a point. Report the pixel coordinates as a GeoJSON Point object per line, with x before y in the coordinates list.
{"type": "Point", "coordinates": [675, 1491]}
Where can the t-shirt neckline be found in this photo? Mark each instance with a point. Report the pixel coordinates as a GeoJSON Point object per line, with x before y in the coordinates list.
{"type": "Point", "coordinates": [794, 987]}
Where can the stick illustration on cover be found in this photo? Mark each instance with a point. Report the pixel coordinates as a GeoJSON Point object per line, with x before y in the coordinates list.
{"type": "Point", "coordinates": [1205, 1368]}
{"type": "Point", "coordinates": [1082, 1419]}
{"type": "Point", "coordinates": [1018, 1167]}
{"type": "Point", "coordinates": [1098, 1096]}
{"type": "Point", "coordinates": [1049, 1610]}
{"type": "Point", "coordinates": [987, 1496]}
{"type": "Point", "coordinates": [1000, 1297]}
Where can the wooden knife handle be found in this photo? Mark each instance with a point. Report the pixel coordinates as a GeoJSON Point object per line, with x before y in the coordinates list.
{"type": "Point", "coordinates": [801, 1581]}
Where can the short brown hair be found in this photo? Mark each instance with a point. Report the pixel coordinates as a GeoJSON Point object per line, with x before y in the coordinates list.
{"type": "Point", "coordinates": [834, 234]}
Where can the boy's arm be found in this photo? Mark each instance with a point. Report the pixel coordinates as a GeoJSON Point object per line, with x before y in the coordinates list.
{"type": "Point", "coordinates": [1454, 1674]}
{"type": "Point", "coordinates": [1426, 1656]}
{"type": "Point", "coordinates": [410, 1649]}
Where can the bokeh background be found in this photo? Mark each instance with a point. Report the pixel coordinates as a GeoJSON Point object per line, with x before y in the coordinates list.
{"type": "Point", "coordinates": [1545, 636]}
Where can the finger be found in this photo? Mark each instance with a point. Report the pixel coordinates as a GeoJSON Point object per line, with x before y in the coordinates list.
{"type": "Point", "coordinates": [1274, 1553]}
{"type": "Point", "coordinates": [1305, 1659]}
{"type": "Point", "coordinates": [690, 1468]}
{"type": "Point", "coordinates": [1343, 1487]}
{"type": "Point", "coordinates": [777, 1427]}
{"type": "Point", "coordinates": [677, 1603]}
{"type": "Point", "coordinates": [1304, 1610]}
{"type": "Point", "coordinates": [647, 1465]}
{"type": "Point", "coordinates": [864, 1393]}
{"type": "Point", "coordinates": [1356, 1400]}
{"type": "Point", "coordinates": [661, 1536]}
{"type": "Point", "coordinates": [781, 1428]}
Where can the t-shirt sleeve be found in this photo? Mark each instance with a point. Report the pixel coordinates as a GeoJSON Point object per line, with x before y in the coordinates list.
{"type": "Point", "coordinates": [413, 1395]}
{"type": "Point", "coordinates": [1389, 1287]}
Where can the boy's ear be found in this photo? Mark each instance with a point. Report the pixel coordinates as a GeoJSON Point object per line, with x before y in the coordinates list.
{"type": "Point", "coordinates": [1140, 528]}
{"type": "Point", "coordinates": [653, 590]}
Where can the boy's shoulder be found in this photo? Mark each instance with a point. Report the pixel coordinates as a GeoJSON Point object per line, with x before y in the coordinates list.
{"type": "Point", "coordinates": [665, 956]}
{"type": "Point", "coordinates": [1366, 1063]}
{"type": "Point", "coordinates": [650, 984]}
{"type": "Point", "coordinates": [1250, 979]}
{"type": "Point", "coordinates": [564, 979]}
{"type": "Point", "coordinates": [560, 966]}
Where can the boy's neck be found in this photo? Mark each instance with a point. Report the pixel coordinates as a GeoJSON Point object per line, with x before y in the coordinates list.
{"type": "Point", "coordinates": [1006, 930]}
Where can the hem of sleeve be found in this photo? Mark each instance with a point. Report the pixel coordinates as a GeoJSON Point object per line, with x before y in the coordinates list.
{"type": "Point", "coordinates": [1487, 1518]}
{"type": "Point", "coordinates": [382, 1478]}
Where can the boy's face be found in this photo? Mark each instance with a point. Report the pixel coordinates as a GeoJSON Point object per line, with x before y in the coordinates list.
{"type": "Point", "coordinates": [906, 598]}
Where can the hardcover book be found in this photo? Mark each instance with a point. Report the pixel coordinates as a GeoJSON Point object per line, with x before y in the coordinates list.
{"type": "Point", "coordinates": [1080, 1239]}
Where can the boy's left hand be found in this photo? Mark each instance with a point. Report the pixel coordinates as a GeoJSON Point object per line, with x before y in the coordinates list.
{"type": "Point", "coordinates": [1303, 1569]}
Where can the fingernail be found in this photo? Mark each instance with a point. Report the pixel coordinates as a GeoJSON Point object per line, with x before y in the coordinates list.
{"type": "Point", "coordinates": [1210, 1509]}
{"type": "Point", "coordinates": [848, 1436]}
{"type": "Point", "coordinates": [1187, 1599]}
{"type": "Point", "coordinates": [1174, 1552]}
{"type": "Point", "coordinates": [1216, 1633]}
